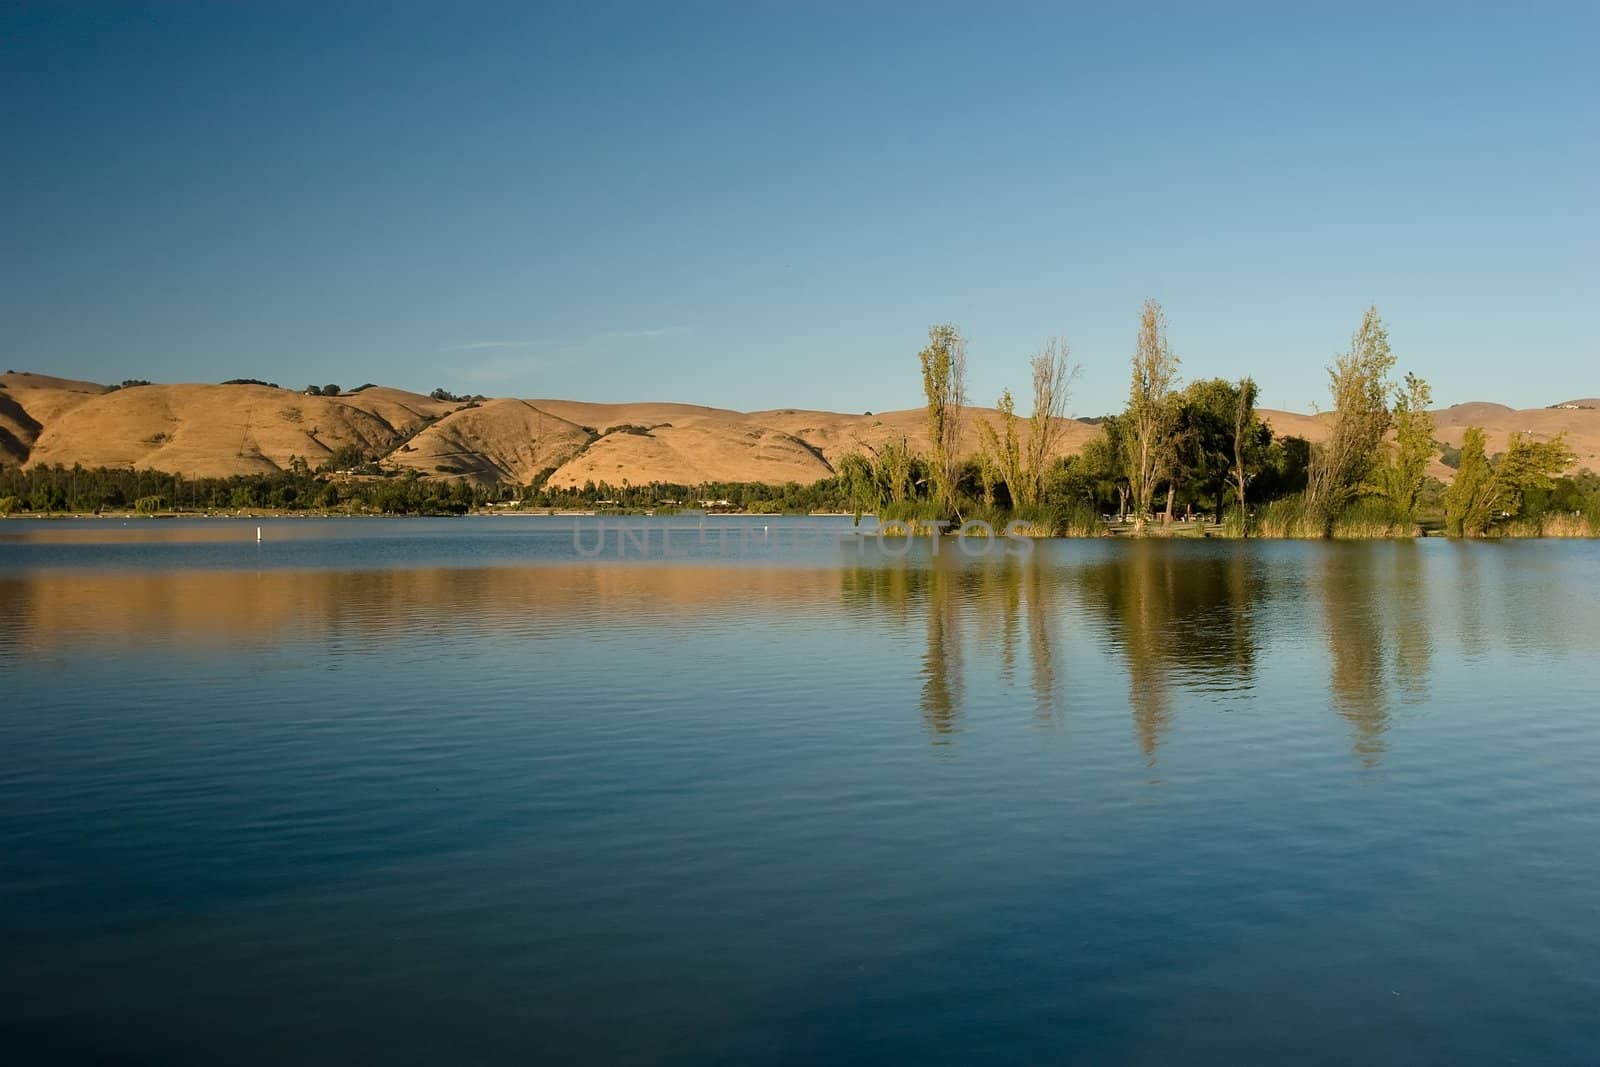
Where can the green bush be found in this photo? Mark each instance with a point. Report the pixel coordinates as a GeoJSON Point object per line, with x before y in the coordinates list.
{"type": "Point", "coordinates": [149, 505]}
{"type": "Point", "coordinates": [9, 505]}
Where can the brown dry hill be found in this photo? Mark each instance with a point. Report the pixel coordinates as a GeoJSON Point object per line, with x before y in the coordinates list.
{"type": "Point", "coordinates": [221, 430]}
{"type": "Point", "coordinates": [496, 441]}
{"type": "Point", "coordinates": [1579, 420]}
{"type": "Point", "coordinates": [28, 401]}
{"type": "Point", "coordinates": [689, 445]}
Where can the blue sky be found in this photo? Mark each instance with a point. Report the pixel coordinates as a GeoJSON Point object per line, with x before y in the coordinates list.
{"type": "Point", "coordinates": [760, 205]}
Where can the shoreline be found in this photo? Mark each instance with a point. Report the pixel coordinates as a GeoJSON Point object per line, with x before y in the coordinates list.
{"type": "Point", "coordinates": [1123, 531]}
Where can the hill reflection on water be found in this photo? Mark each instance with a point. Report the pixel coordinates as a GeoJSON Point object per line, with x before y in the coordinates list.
{"type": "Point", "coordinates": [443, 792]}
{"type": "Point", "coordinates": [1166, 622]}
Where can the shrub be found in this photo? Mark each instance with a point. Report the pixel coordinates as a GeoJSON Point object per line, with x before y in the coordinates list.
{"type": "Point", "coordinates": [149, 505]}
{"type": "Point", "coordinates": [346, 457]}
{"type": "Point", "coordinates": [9, 505]}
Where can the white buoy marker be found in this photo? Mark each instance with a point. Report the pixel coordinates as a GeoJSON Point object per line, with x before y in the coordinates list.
{"type": "Point", "coordinates": [258, 535]}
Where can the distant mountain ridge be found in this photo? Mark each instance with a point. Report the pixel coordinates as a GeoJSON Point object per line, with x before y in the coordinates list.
{"type": "Point", "coordinates": [224, 430]}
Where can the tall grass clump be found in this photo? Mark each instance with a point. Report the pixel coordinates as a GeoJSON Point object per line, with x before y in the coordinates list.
{"type": "Point", "coordinates": [1371, 519]}
{"type": "Point", "coordinates": [912, 511]}
{"type": "Point", "coordinates": [1080, 520]}
{"type": "Point", "coordinates": [1037, 520]}
{"type": "Point", "coordinates": [1235, 523]}
{"type": "Point", "coordinates": [1554, 524]}
{"type": "Point", "coordinates": [1287, 518]}
{"type": "Point", "coordinates": [995, 516]}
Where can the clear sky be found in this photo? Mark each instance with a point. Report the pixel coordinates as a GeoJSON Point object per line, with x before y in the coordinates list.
{"type": "Point", "coordinates": [766, 204]}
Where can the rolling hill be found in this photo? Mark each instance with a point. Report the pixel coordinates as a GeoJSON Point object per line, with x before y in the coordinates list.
{"type": "Point", "coordinates": [224, 430]}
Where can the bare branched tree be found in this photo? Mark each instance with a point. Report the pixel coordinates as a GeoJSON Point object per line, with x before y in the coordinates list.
{"type": "Point", "coordinates": [1023, 465]}
{"type": "Point", "coordinates": [1053, 375]}
{"type": "Point", "coordinates": [1244, 420]}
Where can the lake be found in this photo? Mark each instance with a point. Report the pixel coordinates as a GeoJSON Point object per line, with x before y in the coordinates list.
{"type": "Point", "coordinates": [744, 790]}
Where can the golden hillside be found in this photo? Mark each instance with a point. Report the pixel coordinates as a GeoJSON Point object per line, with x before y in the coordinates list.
{"type": "Point", "coordinates": [496, 441]}
{"type": "Point", "coordinates": [28, 401]}
{"type": "Point", "coordinates": [209, 430]}
{"type": "Point", "coordinates": [223, 430]}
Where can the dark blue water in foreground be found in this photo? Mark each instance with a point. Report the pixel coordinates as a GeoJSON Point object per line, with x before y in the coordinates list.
{"type": "Point", "coordinates": [451, 792]}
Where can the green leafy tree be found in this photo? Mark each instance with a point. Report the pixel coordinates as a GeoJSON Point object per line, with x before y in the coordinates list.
{"type": "Point", "coordinates": [1530, 467]}
{"type": "Point", "coordinates": [48, 497]}
{"type": "Point", "coordinates": [1402, 476]}
{"type": "Point", "coordinates": [1003, 449]}
{"type": "Point", "coordinates": [988, 472]}
{"type": "Point", "coordinates": [944, 384]}
{"type": "Point", "coordinates": [1485, 490]}
{"type": "Point", "coordinates": [1103, 464]}
{"type": "Point", "coordinates": [1209, 439]}
{"type": "Point", "coordinates": [1470, 500]}
{"type": "Point", "coordinates": [894, 470]}
{"type": "Point", "coordinates": [1359, 381]}
{"type": "Point", "coordinates": [862, 488]}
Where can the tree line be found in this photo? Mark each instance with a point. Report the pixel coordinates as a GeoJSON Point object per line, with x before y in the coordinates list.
{"type": "Point", "coordinates": [1180, 451]}
{"type": "Point", "coordinates": [89, 490]}
{"type": "Point", "coordinates": [1175, 452]}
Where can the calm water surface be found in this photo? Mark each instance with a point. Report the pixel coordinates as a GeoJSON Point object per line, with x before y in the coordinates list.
{"type": "Point", "coordinates": [468, 791]}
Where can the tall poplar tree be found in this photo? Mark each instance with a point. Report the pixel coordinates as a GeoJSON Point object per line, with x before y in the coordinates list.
{"type": "Point", "coordinates": [944, 383]}
{"type": "Point", "coordinates": [1152, 412]}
